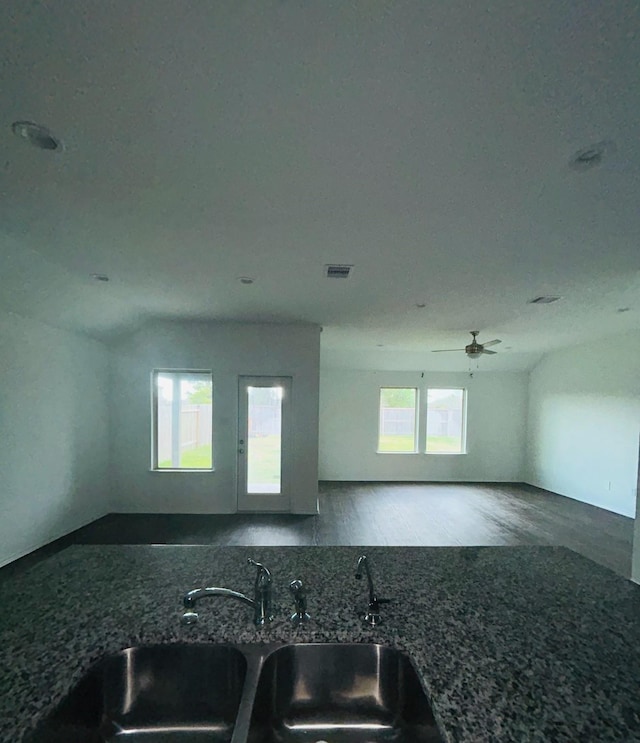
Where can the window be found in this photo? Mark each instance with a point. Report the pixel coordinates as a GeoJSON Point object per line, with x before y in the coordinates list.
{"type": "Point", "coordinates": [264, 439]}
{"type": "Point", "coordinates": [397, 426]}
{"type": "Point", "coordinates": [182, 417]}
{"type": "Point", "coordinates": [445, 421]}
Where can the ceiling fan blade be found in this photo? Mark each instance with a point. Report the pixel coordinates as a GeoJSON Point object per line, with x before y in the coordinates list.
{"type": "Point", "coordinates": [492, 343]}
{"type": "Point", "coordinates": [483, 351]}
{"type": "Point", "coordinates": [446, 350]}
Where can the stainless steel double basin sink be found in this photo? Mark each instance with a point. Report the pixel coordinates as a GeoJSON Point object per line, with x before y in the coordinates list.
{"type": "Point", "coordinates": [189, 693]}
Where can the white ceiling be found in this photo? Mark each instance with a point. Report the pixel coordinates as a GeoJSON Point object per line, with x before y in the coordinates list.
{"type": "Point", "coordinates": [426, 143]}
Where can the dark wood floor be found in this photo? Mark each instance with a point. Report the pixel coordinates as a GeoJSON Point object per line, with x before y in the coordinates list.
{"type": "Point", "coordinates": [414, 514]}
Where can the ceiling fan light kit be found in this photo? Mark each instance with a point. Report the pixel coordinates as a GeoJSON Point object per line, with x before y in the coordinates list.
{"type": "Point", "coordinates": [474, 349]}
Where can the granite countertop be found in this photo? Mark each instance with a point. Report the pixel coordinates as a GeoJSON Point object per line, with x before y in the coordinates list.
{"type": "Point", "coordinates": [512, 643]}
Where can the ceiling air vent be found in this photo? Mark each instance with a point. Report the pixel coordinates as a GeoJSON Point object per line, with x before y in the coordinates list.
{"type": "Point", "coordinates": [338, 270]}
{"type": "Point", "coordinates": [543, 300]}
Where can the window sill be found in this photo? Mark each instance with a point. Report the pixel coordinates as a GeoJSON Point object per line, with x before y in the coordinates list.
{"type": "Point", "coordinates": [445, 453]}
{"type": "Point", "coordinates": [427, 453]}
{"type": "Point", "coordinates": [184, 469]}
{"type": "Point", "coordinates": [396, 452]}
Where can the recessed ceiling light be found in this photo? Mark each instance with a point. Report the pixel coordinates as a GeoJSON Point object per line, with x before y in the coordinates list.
{"type": "Point", "coordinates": [623, 309]}
{"type": "Point", "coordinates": [99, 276]}
{"type": "Point", "coordinates": [380, 345]}
{"type": "Point", "coordinates": [36, 135]}
{"type": "Point", "coordinates": [420, 305]}
{"type": "Point", "coordinates": [544, 300]}
{"type": "Point", "coordinates": [591, 156]}
{"type": "Point", "coordinates": [245, 280]}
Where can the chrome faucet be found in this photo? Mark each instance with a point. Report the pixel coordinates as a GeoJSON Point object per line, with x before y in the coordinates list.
{"type": "Point", "coordinates": [261, 601]}
{"type": "Point", "coordinates": [372, 615]}
{"type": "Point", "coordinates": [300, 616]}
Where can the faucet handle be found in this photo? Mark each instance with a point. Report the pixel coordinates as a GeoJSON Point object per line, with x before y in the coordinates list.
{"type": "Point", "coordinates": [258, 565]}
{"type": "Point", "coordinates": [263, 576]}
{"type": "Point", "coordinates": [372, 615]}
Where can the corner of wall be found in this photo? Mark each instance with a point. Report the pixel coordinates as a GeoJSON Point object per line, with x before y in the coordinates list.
{"type": "Point", "coordinates": [54, 457]}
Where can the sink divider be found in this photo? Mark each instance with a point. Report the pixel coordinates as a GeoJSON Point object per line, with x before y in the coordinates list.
{"type": "Point", "coordinates": [255, 656]}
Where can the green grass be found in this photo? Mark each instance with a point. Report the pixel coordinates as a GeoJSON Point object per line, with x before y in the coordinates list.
{"type": "Point", "coordinates": [400, 442]}
{"type": "Point", "coordinates": [264, 465]}
{"type": "Point", "coordinates": [192, 459]}
{"type": "Point", "coordinates": [265, 462]}
{"type": "Point", "coordinates": [405, 443]}
{"type": "Point", "coordinates": [443, 444]}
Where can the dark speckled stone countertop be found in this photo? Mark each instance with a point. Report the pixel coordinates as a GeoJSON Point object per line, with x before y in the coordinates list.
{"type": "Point", "coordinates": [513, 643]}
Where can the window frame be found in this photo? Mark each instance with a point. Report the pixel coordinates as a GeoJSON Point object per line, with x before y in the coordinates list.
{"type": "Point", "coordinates": [154, 418]}
{"type": "Point", "coordinates": [416, 420]}
{"type": "Point", "coordinates": [463, 432]}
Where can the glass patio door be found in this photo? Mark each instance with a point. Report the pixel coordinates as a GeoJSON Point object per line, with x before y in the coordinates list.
{"type": "Point", "coordinates": [264, 443]}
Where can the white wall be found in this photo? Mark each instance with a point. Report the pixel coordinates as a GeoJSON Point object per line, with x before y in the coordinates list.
{"type": "Point", "coordinates": [584, 423]}
{"type": "Point", "coordinates": [229, 350]}
{"type": "Point", "coordinates": [635, 562]}
{"type": "Point", "coordinates": [496, 412]}
{"type": "Point", "coordinates": [53, 434]}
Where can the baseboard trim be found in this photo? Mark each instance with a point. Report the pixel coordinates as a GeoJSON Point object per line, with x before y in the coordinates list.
{"type": "Point", "coordinates": [602, 506]}
{"type": "Point", "coordinates": [55, 543]}
{"type": "Point", "coordinates": [422, 482]}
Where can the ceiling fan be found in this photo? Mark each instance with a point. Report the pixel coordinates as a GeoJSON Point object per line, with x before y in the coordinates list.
{"type": "Point", "coordinates": [474, 349]}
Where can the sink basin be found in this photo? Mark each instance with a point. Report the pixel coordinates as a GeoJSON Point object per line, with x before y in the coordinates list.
{"type": "Point", "coordinates": [158, 693]}
{"type": "Point", "coordinates": [191, 693]}
{"type": "Point", "coordinates": [340, 693]}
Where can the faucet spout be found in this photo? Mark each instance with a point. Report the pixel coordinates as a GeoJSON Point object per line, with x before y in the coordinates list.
{"type": "Point", "coordinates": [261, 602]}
{"type": "Point", "coordinates": [262, 594]}
{"type": "Point", "coordinates": [372, 615]}
{"type": "Point", "coordinates": [191, 599]}
{"type": "Point", "coordinates": [364, 563]}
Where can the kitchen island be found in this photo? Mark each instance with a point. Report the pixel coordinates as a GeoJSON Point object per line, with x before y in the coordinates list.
{"type": "Point", "coordinates": [512, 643]}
